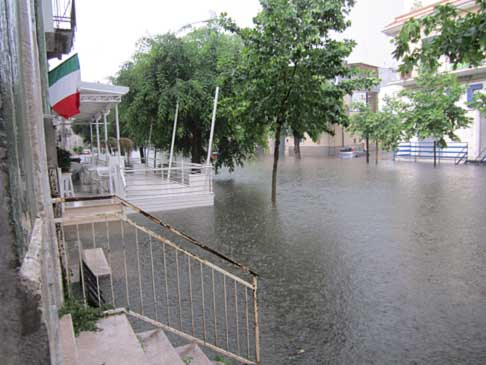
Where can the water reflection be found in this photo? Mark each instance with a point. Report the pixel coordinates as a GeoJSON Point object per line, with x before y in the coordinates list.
{"type": "Point", "coordinates": [359, 264]}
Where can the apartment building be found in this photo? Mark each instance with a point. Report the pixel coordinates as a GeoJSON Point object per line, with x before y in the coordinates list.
{"type": "Point", "coordinates": [473, 78]}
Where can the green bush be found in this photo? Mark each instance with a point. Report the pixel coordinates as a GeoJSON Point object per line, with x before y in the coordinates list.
{"type": "Point", "coordinates": [84, 316]}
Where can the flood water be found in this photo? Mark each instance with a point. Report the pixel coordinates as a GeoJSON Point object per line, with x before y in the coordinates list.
{"type": "Point", "coordinates": [358, 264]}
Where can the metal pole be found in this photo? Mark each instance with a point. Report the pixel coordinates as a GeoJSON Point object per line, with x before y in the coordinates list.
{"type": "Point", "coordinates": [173, 141]}
{"type": "Point", "coordinates": [213, 121]}
{"type": "Point", "coordinates": [97, 139]}
{"type": "Point", "coordinates": [108, 160]}
{"type": "Point", "coordinates": [148, 145]}
{"type": "Point", "coordinates": [91, 137]}
{"type": "Point", "coordinates": [435, 154]}
{"type": "Point", "coordinates": [105, 127]}
{"type": "Point", "coordinates": [117, 130]}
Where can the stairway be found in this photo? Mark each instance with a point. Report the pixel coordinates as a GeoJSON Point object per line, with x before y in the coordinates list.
{"type": "Point", "coordinates": [116, 343]}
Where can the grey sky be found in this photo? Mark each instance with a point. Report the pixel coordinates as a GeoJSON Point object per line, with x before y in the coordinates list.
{"type": "Point", "coordinates": [107, 30]}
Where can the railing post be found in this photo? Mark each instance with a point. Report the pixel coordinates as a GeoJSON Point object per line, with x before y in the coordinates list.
{"type": "Point", "coordinates": [257, 324]}
{"type": "Point", "coordinates": [435, 153]}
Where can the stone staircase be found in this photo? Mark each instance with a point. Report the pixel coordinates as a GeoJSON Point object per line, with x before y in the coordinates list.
{"type": "Point", "coordinates": [116, 343]}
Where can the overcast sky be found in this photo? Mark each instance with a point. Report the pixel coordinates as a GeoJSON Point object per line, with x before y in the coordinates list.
{"type": "Point", "coordinates": [107, 30]}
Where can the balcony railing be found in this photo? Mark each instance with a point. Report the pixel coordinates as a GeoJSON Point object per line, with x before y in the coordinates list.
{"type": "Point", "coordinates": [456, 152]}
{"type": "Point", "coordinates": [64, 14]}
{"type": "Point", "coordinates": [160, 276]}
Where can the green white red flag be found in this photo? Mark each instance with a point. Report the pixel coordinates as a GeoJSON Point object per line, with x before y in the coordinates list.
{"type": "Point", "coordinates": [64, 81]}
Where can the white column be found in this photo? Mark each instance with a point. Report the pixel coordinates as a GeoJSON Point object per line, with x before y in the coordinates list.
{"type": "Point", "coordinates": [173, 140]}
{"type": "Point", "coordinates": [91, 136]}
{"type": "Point", "coordinates": [97, 138]}
{"type": "Point", "coordinates": [106, 132]}
{"type": "Point", "coordinates": [118, 130]}
{"type": "Point", "coordinates": [213, 120]}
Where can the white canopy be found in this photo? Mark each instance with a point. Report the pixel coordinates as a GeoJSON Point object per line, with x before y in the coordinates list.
{"type": "Point", "coordinates": [97, 99]}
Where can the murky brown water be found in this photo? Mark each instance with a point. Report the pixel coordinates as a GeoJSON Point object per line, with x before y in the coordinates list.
{"type": "Point", "coordinates": [359, 264]}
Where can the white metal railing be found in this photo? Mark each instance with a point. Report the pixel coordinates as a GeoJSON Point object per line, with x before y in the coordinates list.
{"type": "Point", "coordinates": [165, 278]}
{"type": "Point", "coordinates": [140, 182]}
{"type": "Point", "coordinates": [63, 14]}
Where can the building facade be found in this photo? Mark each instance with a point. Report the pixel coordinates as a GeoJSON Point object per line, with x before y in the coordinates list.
{"type": "Point", "coordinates": [473, 78]}
{"type": "Point", "coordinates": [31, 288]}
{"type": "Point", "coordinates": [328, 144]}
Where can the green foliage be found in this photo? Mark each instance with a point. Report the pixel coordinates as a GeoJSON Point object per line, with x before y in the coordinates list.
{"type": "Point", "coordinates": [187, 360]}
{"type": "Point", "coordinates": [166, 70]}
{"type": "Point", "coordinates": [222, 359]}
{"type": "Point", "coordinates": [384, 126]}
{"type": "Point", "coordinates": [78, 149]}
{"type": "Point", "coordinates": [446, 32]}
{"type": "Point", "coordinates": [84, 317]}
{"type": "Point", "coordinates": [63, 159]}
{"type": "Point", "coordinates": [479, 102]}
{"type": "Point", "coordinates": [290, 64]}
{"type": "Point", "coordinates": [431, 109]}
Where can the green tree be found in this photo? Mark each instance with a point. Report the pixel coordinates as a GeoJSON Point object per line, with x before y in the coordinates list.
{"type": "Point", "coordinates": [168, 69]}
{"type": "Point", "coordinates": [289, 68]}
{"type": "Point", "coordinates": [386, 126]}
{"type": "Point", "coordinates": [446, 32]}
{"type": "Point", "coordinates": [431, 109]}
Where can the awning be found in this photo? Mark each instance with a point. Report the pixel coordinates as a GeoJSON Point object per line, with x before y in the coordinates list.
{"type": "Point", "coordinates": [96, 99]}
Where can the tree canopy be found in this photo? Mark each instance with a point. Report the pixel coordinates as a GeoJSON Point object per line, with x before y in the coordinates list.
{"type": "Point", "coordinates": [167, 69]}
{"type": "Point", "coordinates": [290, 68]}
{"type": "Point", "coordinates": [429, 110]}
{"type": "Point", "coordinates": [446, 32]}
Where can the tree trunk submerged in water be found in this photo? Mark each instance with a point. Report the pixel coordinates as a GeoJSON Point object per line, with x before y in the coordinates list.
{"type": "Point", "coordinates": [276, 153]}
{"type": "Point", "coordinates": [297, 138]}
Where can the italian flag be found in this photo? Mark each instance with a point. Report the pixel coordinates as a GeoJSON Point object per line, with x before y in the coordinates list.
{"type": "Point", "coordinates": [64, 83]}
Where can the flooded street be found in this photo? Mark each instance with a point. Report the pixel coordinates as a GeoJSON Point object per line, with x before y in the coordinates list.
{"type": "Point", "coordinates": [358, 264]}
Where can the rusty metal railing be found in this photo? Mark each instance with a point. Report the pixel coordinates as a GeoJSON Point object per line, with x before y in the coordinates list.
{"type": "Point", "coordinates": [160, 275]}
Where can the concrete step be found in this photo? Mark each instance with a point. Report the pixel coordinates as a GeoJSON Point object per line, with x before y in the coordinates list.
{"type": "Point", "coordinates": [158, 349]}
{"type": "Point", "coordinates": [192, 354]}
{"type": "Point", "coordinates": [115, 343]}
{"type": "Point", "coordinates": [69, 348]}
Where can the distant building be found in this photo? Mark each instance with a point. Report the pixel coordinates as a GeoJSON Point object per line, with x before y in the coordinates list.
{"type": "Point", "coordinates": [474, 78]}
{"type": "Point", "coordinates": [329, 144]}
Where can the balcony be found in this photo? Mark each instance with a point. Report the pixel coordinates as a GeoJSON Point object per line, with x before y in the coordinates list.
{"type": "Point", "coordinates": [60, 25]}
